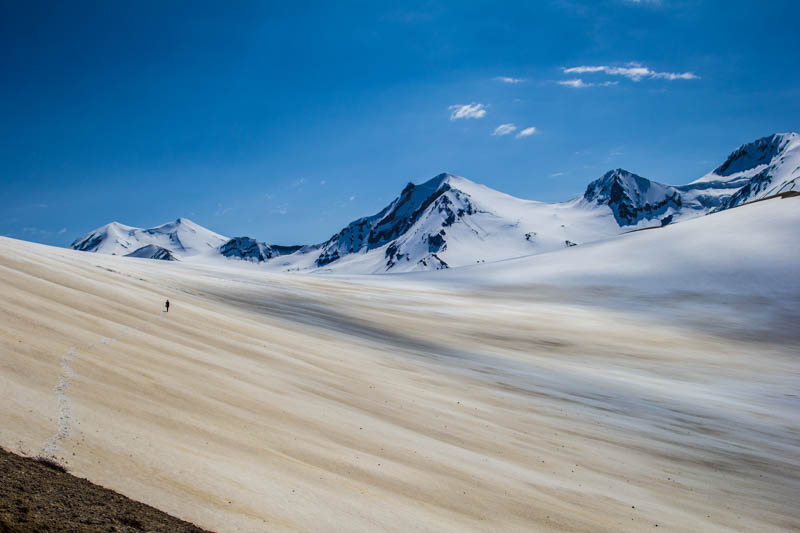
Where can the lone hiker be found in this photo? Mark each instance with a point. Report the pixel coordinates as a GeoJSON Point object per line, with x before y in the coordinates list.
{"type": "Point", "coordinates": [166, 306]}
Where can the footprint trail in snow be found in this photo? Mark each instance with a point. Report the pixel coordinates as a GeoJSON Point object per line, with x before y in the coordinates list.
{"type": "Point", "coordinates": [65, 419]}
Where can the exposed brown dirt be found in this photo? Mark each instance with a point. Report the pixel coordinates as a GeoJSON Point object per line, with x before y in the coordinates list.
{"type": "Point", "coordinates": [37, 495]}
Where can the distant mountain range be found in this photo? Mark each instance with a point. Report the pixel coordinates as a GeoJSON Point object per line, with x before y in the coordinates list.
{"type": "Point", "coordinates": [451, 221]}
{"type": "Point", "coordinates": [179, 238]}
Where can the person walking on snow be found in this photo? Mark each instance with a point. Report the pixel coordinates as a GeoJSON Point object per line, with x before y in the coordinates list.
{"type": "Point", "coordinates": [166, 306]}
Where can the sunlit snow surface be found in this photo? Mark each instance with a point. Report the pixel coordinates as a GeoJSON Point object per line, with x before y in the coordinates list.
{"type": "Point", "coordinates": [646, 378]}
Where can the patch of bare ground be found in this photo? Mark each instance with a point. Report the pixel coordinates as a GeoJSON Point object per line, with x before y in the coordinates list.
{"type": "Point", "coordinates": [39, 495]}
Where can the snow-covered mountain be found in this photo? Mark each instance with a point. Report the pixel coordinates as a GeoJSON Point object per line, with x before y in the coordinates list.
{"type": "Point", "coordinates": [765, 167]}
{"type": "Point", "coordinates": [637, 201]}
{"type": "Point", "coordinates": [762, 168]}
{"type": "Point", "coordinates": [750, 250]}
{"type": "Point", "coordinates": [181, 237]}
{"type": "Point", "coordinates": [633, 198]}
{"type": "Point", "coordinates": [176, 240]}
{"type": "Point", "coordinates": [450, 221]}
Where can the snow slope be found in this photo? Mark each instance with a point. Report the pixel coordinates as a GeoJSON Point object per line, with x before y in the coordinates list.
{"type": "Point", "coordinates": [472, 399]}
{"type": "Point", "coordinates": [752, 249]}
{"type": "Point", "coordinates": [182, 237]}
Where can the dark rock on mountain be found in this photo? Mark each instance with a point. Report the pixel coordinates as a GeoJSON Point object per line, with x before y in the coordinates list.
{"type": "Point", "coordinates": [249, 249]}
{"type": "Point", "coordinates": [151, 251]}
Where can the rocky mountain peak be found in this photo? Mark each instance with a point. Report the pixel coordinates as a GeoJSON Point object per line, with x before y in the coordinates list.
{"type": "Point", "coordinates": [759, 152]}
{"type": "Point", "coordinates": [632, 198]}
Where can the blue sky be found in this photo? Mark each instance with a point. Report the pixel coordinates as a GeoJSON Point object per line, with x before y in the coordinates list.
{"type": "Point", "coordinates": [286, 120]}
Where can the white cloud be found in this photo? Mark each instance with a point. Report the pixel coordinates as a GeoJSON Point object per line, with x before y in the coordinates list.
{"type": "Point", "coordinates": [322, 182]}
{"type": "Point", "coordinates": [526, 132]}
{"type": "Point", "coordinates": [578, 83]}
{"type": "Point", "coordinates": [504, 129]}
{"type": "Point", "coordinates": [352, 198]}
{"type": "Point", "coordinates": [556, 174]}
{"type": "Point", "coordinates": [633, 71]}
{"type": "Point", "coordinates": [575, 84]}
{"type": "Point", "coordinates": [508, 79]}
{"type": "Point", "coordinates": [62, 231]}
{"type": "Point", "coordinates": [675, 76]}
{"type": "Point", "coordinates": [582, 69]}
{"type": "Point", "coordinates": [472, 110]}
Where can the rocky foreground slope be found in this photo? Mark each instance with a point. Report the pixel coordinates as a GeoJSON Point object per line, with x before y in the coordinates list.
{"type": "Point", "coordinates": [38, 495]}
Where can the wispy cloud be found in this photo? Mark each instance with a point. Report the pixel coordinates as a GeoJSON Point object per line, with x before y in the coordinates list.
{"type": "Point", "coordinates": [504, 129]}
{"type": "Point", "coordinates": [575, 84]}
{"type": "Point", "coordinates": [527, 132]}
{"type": "Point", "coordinates": [472, 110]}
{"type": "Point", "coordinates": [508, 79]}
{"type": "Point", "coordinates": [556, 174]}
{"type": "Point", "coordinates": [578, 83]}
{"type": "Point", "coordinates": [352, 198]}
{"type": "Point", "coordinates": [62, 231]}
{"type": "Point", "coordinates": [322, 182]}
{"type": "Point", "coordinates": [221, 211]}
{"type": "Point", "coordinates": [632, 71]}
{"type": "Point", "coordinates": [39, 232]}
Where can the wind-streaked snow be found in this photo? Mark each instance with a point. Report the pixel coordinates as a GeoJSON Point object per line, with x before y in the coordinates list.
{"type": "Point", "coordinates": [646, 378]}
